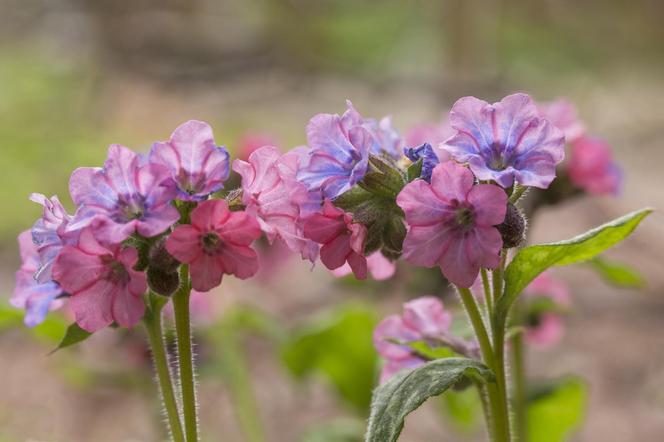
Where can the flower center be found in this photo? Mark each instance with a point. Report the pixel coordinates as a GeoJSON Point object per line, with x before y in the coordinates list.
{"type": "Point", "coordinates": [190, 183]}
{"type": "Point", "coordinates": [130, 207]}
{"type": "Point", "coordinates": [211, 243]}
{"type": "Point", "coordinates": [115, 270]}
{"type": "Point", "coordinates": [464, 217]}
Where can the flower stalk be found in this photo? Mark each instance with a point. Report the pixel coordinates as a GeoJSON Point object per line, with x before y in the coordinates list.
{"type": "Point", "coordinates": [185, 355]}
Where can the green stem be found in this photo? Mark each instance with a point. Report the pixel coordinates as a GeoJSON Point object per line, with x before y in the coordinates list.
{"type": "Point", "coordinates": [153, 326]}
{"type": "Point", "coordinates": [185, 355]}
{"type": "Point", "coordinates": [499, 417]}
{"type": "Point", "coordinates": [498, 329]}
{"type": "Point", "coordinates": [519, 387]}
{"type": "Point", "coordinates": [488, 296]}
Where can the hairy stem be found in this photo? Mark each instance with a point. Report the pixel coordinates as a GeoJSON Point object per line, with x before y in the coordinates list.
{"type": "Point", "coordinates": [153, 326]}
{"type": "Point", "coordinates": [519, 387]}
{"type": "Point", "coordinates": [185, 355]}
{"type": "Point", "coordinates": [498, 329]}
{"type": "Point", "coordinates": [499, 422]}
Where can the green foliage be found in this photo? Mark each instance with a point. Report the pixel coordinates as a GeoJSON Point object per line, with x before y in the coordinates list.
{"type": "Point", "coordinates": [338, 430]}
{"type": "Point", "coordinates": [73, 335]}
{"type": "Point", "coordinates": [463, 409]}
{"type": "Point", "coordinates": [618, 274]}
{"type": "Point", "coordinates": [406, 391]}
{"type": "Point", "coordinates": [49, 331]}
{"type": "Point", "coordinates": [414, 170]}
{"type": "Point", "coordinates": [531, 261]}
{"type": "Point", "coordinates": [556, 412]}
{"type": "Point", "coordinates": [337, 346]}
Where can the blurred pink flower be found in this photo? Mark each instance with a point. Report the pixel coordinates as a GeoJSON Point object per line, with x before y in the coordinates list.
{"type": "Point", "coordinates": [549, 326]}
{"type": "Point", "coordinates": [251, 142]}
{"type": "Point", "coordinates": [379, 267]}
{"type": "Point", "coordinates": [427, 316]}
{"type": "Point", "coordinates": [102, 282]}
{"type": "Point", "coordinates": [592, 168]}
{"type": "Point", "coordinates": [217, 242]}
{"type": "Point", "coordinates": [451, 223]}
{"type": "Point", "coordinates": [562, 114]}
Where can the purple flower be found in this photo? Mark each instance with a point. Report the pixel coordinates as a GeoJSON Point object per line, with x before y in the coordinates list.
{"type": "Point", "coordinates": [386, 138]}
{"type": "Point", "coordinates": [198, 167]}
{"type": "Point", "coordinates": [451, 223]}
{"type": "Point", "coordinates": [50, 234]}
{"type": "Point", "coordinates": [338, 155]}
{"type": "Point", "coordinates": [429, 159]}
{"type": "Point", "coordinates": [506, 141]}
{"type": "Point", "coordinates": [123, 197]}
{"type": "Point", "coordinates": [37, 298]}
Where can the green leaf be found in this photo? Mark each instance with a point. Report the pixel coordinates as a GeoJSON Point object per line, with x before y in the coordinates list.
{"type": "Point", "coordinates": [414, 171]}
{"type": "Point", "coordinates": [406, 391]}
{"type": "Point", "coordinates": [553, 415]}
{"type": "Point", "coordinates": [618, 274]}
{"type": "Point", "coordinates": [338, 347]}
{"type": "Point", "coordinates": [531, 261]}
{"type": "Point", "coordinates": [73, 335]}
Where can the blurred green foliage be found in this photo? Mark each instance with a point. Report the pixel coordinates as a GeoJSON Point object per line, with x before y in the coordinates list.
{"type": "Point", "coordinates": [556, 410]}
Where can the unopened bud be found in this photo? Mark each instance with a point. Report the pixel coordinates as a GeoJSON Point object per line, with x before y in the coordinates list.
{"type": "Point", "coordinates": [513, 229]}
{"type": "Point", "coordinates": [159, 258]}
{"type": "Point", "coordinates": [161, 282]}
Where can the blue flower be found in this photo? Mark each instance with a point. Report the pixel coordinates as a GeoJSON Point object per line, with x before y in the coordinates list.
{"type": "Point", "coordinates": [429, 159]}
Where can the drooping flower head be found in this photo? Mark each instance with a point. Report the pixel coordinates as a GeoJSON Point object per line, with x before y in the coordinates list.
{"type": "Point", "coordinates": [562, 114]}
{"type": "Point", "coordinates": [273, 195]}
{"type": "Point", "coordinates": [123, 197]}
{"type": "Point", "coordinates": [342, 240]}
{"type": "Point", "coordinates": [592, 168]}
{"type": "Point", "coordinates": [198, 167]}
{"type": "Point", "coordinates": [544, 329]}
{"type": "Point", "coordinates": [217, 242]}
{"type": "Point", "coordinates": [37, 298]}
{"type": "Point", "coordinates": [380, 268]}
{"type": "Point", "coordinates": [423, 318]}
{"type": "Point", "coordinates": [50, 233]}
{"type": "Point", "coordinates": [505, 142]}
{"type": "Point", "coordinates": [451, 223]}
{"type": "Point", "coordinates": [338, 154]}
{"type": "Point", "coordinates": [102, 282]}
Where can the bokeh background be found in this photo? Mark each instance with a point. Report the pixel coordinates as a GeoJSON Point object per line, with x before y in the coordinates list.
{"type": "Point", "coordinates": [288, 357]}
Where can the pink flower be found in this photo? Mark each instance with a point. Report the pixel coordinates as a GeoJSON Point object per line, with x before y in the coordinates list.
{"type": "Point", "coordinates": [342, 240]}
{"type": "Point", "coordinates": [379, 267]}
{"type": "Point", "coordinates": [422, 318]}
{"type": "Point", "coordinates": [198, 167]}
{"type": "Point", "coordinates": [102, 282]}
{"type": "Point", "coordinates": [273, 195]}
{"type": "Point", "coordinates": [251, 142]}
{"type": "Point", "coordinates": [451, 223]}
{"type": "Point", "coordinates": [591, 167]}
{"type": "Point", "coordinates": [547, 328]}
{"type": "Point", "coordinates": [216, 243]}
{"type": "Point", "coordinates": [562, 114]}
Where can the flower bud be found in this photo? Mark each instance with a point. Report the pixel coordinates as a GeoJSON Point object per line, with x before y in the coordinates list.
{"type": "Point", "coordinates": [160, 259]}
{"type": "Point", "coordinates": [162, 282]}
{"type": "Point", "coordinates": [513, 229]}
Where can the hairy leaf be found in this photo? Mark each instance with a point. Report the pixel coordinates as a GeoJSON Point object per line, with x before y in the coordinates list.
{"type": "Point", "coordinates": [531, 261]}
{"type": "Point", "coordinates": [405, 392]}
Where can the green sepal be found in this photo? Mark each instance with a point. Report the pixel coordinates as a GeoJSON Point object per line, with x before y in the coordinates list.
{"type": "Point", "coordinates": [73, 335]}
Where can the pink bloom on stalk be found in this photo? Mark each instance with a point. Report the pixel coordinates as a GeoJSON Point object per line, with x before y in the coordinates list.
{"type": "Point", "coordinates": [217, 242]}
{"type": "Point", "coordinates": [379, 267]}
{"type": "Point", "coordinates": [198, 167]}
{"type": "Point", "coordinates": [549, 326]}
{"type": "Point", "coordinates": [342, 240]}
{"type": "Point", "coordinates": [451, 223]}
{"type": "Point", "coordinates": [592, 168]}
{"type": "Point", "coordinates": [506, 142]}
{"type": "Point", "coordinates": [123, 197]}
{"type": "Point", "coordinates": [272, 194]}
{"type": "Point", "coordinates": [102, 282]}
{"type": "Point", "coordinates": [422, 318]}
{"type": "Point", "coordinates": [37, 298]}
{"type": "Point", "coordinates": [562, 114]}
{"type": "Point", "coordinates": [50, 234]}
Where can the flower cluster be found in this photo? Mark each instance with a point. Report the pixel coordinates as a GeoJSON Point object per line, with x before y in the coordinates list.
{"type": "Point", "coordinates": [357, 196]}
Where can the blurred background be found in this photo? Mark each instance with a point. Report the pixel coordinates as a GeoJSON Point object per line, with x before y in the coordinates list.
{"type": "Point", "coordinates": [289, 357]}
